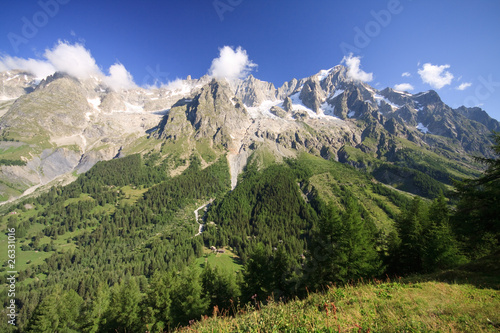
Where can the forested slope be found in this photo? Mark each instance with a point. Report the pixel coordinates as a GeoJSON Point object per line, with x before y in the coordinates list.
{"type": "Point", "coordinates": [116, 250]}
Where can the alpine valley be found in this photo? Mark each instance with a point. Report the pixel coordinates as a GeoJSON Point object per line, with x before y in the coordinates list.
{"type": "Point", "coordinates": [145, 209]}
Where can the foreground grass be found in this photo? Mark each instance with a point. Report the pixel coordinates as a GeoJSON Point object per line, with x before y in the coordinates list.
{"type": "Point", "coordinates": [375, 307]}
{"type": "Point", "coordinates": [464, 299]}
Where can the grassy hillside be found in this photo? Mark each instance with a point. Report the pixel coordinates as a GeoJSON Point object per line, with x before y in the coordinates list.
{"type": "Point", "coordinates": [465, 299]}
{"type": "Point", "coordinates": [123, 235]}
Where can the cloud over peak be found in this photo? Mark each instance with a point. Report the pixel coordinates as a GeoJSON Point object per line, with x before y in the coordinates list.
{"type": "Point", "coordinates": [231, 64]}
{"type": "Point", "coordinates": [354, 72]}
{"type": "Point", "coordinates": [404, 87]}
{"type": "Point", "coordinates": [119, 78]}
{"type": "Point", "coordinates": [72, 59]}
{"type": "Point", "coordinates": [39, 68]}
{"type": "Point", "coordinates": [436, 76]}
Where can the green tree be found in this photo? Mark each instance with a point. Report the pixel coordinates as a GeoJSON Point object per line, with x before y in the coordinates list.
{"type": "Point", "coordinates": [477, 218]}
{"type": "Point", "coordinates": [258, 275]}
{"type": "Point", "coordinates": [219, 287]}
{"type": "Point", "coordinates": [322, 258]}
{"type": "Point", "coordinates": [410, 225]}
{"type": "Point", "coordinates": [58, 312]}
{"type": "Point", "coordinates": [441, 247]}
{"type": "Point", "coordinates": [357, 255]}
{"type": "Point", "coordinates": [188, 302]}
{"type": "Point", "coordinates": [343, 246]}
{"type": "Point", "coordinates": [283, 268]}
{"type": "Point", "coordinates": [123, 312]}
{"type": "Point", "coordinates": [156, 306]}
{"type": "Point", "coordinates": [95, 310]}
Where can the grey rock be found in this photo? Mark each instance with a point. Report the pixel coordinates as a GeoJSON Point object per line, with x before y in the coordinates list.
{"type": "Point", "coordinates": [312, 95]}
{"type": "Point", "coordinates": [252, 92]}
{"type": "Point", "coordinates": [287, 104]}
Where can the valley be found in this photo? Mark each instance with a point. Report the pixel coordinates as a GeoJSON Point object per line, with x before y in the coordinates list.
{"type": "Point", "coordinates": [117, 197]}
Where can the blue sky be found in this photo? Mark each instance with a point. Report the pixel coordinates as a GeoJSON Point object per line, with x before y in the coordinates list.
{"type": "Point", "coordinates": [165, 40]}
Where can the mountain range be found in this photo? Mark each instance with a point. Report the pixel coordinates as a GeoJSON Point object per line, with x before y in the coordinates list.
{"type": "Point", "coordinates": [53, 129]}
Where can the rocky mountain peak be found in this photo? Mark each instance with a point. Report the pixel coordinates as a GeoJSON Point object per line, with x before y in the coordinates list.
{"type": "Point", "coordinates": [253, 92]}
{"type": "Point", "coordinates": [428, 97]}
{"type": "Point", "coordinates": [335, 79]}
{"type": "Point", "coordinates": [15, 83]}
{"type": "Point", "coordinates": [213, 113]}
{"type": "Point", "coordinates": [320, 113]}
{"type": "Point", "coordinates": [479, 115]}
{"type": "Point", "coordinates": [312, 95]}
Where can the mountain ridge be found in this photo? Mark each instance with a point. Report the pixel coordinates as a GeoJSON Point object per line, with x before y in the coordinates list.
{"type": "Point", "coordinates": [319, 114]}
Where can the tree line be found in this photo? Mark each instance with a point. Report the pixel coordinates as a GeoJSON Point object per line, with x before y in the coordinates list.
{"type": "Point", "coordinates": [133, 267]}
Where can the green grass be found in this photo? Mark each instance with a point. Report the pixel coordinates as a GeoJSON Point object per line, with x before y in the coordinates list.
{"type": "Point", "coordinates": [205, 151]}
{"type": "Point", "coordinates": [24, 259]}
{"type": "Point", "coordinates": [401, 305]}
{"type": "Point", "coordinates": [12, 149]}
{"type": "Point", "coordinates": [330, 178]}
{"type": "Point", "coordinates": [262, 157]}
{"type": "Point", "coordinates": [83, 197]}
{"type": "Point", "coordinates": [140, 145]}
{"type": "Point", "coordinates": [131, 194]}
{"type": "Point", "coordinates": [227, 261]}
{"type": "Point", "coordinates": [384, 307]}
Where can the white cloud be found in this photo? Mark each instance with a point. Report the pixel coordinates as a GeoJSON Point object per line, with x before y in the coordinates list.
{"type": "Point", "coordinates": [464, 86]}
{"type": "Point", "coordinates": [436, 76]}
{"type": "Point", "coordinates": [177, 84]}
{"type": "Point", "coordinates": [74, 60]}
{"type": "Point", "coordinates": [353, 70]}
{"type": "Point", "coordinates": [39, 68]}
{"type": "Point", "coordinates": [406, 74]}
{"type": "Point", "coordinates": [119, 78]}
{"type": "Point", "coordinates": [403, 87]}
{"type": "Point", "coordinates": [231, 64]}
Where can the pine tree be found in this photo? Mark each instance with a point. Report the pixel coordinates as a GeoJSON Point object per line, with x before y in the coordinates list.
{"type": "Point", "coordinates": [357, 255]}
{"type": "Point", "coordinates": [282, 272]}
{"type": "Point", "coordinates": [188, 302]}
{"type": "Point", "coordinates": [219, 287]}
{"type": "Point", "coordinates": [477, 219]}
{"type": "Point", "coordinates": [258, 274]}
{"type": "Point", "coordinates": [58, 312]}
{"type": "Point", "coordinates": [156, 305]}
{"type": "Point", "coordinates": [343, 247]}
{"type": "Point", "coordinates": [93, 315]}
{"type": "Point", "coordinates": [321, 267]}
{"type": "Point", "coordinates": [410, 225]}
{"type": "Point", "coordinates": [441, 248]}
{"type": "Point", "coordinates": [123, 313]}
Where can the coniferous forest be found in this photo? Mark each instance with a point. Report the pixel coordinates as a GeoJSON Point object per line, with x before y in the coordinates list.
{"type": "Point", "coordinates": [121, 253]}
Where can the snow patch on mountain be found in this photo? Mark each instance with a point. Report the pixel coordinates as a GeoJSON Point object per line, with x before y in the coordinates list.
{"type": "Point", "coordinates": [95, 102]}
{"type": "Point", "coordinates": [263, 110]}
{"type": "Point", "coordinates": [421, 94]}
{"type": "Point", "coordinates": [328, 109]}
{"type": "Point", "coordinates": [422, 128]}
{"type": "Point", "coordinates": [338, 92]}
{"type": "Point", "coordinates": [403, 93]}
{"type": "Point", "coordinates": [324, 73]}
{"type": "Point", "coordinates": [380, 98]}
{"type": "Point", "coordinates": [298, 105]}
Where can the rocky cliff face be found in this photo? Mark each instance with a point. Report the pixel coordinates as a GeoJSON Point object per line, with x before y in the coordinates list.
{"type": "Point", "coordinates": [252, 92]}
{"type": "Point", "coordinates": [16, 83]}
{"type": "Point", "coordinates": [62, 125]}
{"type": "Point", "coordinates": [213, 113]}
